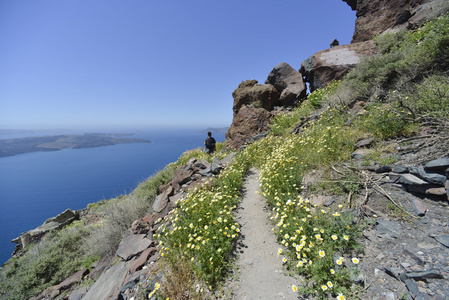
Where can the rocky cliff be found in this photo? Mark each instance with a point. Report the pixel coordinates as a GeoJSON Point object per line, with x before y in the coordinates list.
{"type": "Point", "coordinates": [377, 16]}
{"type": "Point", "coordinates": [373, 18]}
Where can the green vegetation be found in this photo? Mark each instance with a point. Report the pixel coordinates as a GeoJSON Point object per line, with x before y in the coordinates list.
{"type": "Point", "coordinates": [430, 97]}
{"type": "Point", "coordinates": [405, 57]}
{"type": "Point", "coordinates": [45, 264]}
{"type": "Point", "coordinates": [203, 227]}
{"type": "Point", "coordinates": [405, 84]}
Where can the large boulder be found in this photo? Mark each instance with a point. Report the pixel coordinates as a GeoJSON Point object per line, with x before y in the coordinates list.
{"type": "Point", "coordinates": [259, 95]}
{"type": "Point", "coordinates": [247, 123]}
{"type": "Point", "coordinates": [288, 82]}
{"type": "Point", "coordinates": [332, 64]}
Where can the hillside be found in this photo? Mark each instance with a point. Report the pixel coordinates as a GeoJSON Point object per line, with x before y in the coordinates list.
{"type": "Point", "coordinates": [353, 179]}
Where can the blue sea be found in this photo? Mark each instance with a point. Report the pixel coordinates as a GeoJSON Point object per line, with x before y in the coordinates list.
{"type": "Point", "coordinates": [39, 185]}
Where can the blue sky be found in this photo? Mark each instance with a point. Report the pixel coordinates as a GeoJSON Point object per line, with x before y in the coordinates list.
{"type": "Point", "coordinates": [140, 63]}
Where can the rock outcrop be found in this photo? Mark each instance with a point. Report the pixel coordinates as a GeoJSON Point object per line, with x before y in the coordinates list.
{"type": "Point", "coordinates": [252, 105]}
{"type": "Point", "coordinates": [332, 64]}
{"type": "Point", "coordinates": [374, 17]}
{"type": "Point", "coordinates": [377, 16]}
{"type": "Point", "coordinates": [32, 236]}
{"type": "Point", "coordinates": [258, 95]}
{"type": "Point", "coordinates": [247, 123]}
{"type": "Point", "coordinates": [288, 82]}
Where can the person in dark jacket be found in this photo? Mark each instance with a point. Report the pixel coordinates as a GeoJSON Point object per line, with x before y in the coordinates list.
{"type": "Point", "coordinates": [209, 143]}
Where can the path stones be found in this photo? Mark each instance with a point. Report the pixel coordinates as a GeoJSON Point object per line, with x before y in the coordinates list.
{"type": "Point", "coordinates": [387, 229]}
{"type": "Point", "coordinates": [412, 287]}
{"type": "Point", "coordinates": [140, 227]}
{"type": "Point", "coordinates": [428, 246]}
{"type": "Point", "coordinates": [419, 207]}
{"type": "Point", "coordinates": [438, 165]}
{"type": "Point", "coordinates": [384, 169]}
{"type": "Point", "coordinates": [443, 239]}
{"type": "Point", "coordinates": [410, 179]}
{"type": "Point", "coordinates": [206, 172]}
{"type": "Point", "coordinates": [400, 169]}
{"type": "Point", "coordinates": [54, 292]}
{"type": "Point", "coordinates": [78, 294]}
{"type": "Point", "coordinates": [136, 250]}
{"type": "Point", "coordinates": [426, 274]}
{"type": "Point", "coordinates": [70, 281]}
{"type": "Point", "coordinates": [364, 143]}
{"type": "Point", "coordinates": [426, 190]}
{"type": "Point", "coordinates": [359, 154]}
{"type": "Point", "coordinates": [433, 178]}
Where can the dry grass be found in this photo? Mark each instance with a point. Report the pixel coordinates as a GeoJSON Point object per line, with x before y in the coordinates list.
{"type": "Point", "coordinates": [180, 283]}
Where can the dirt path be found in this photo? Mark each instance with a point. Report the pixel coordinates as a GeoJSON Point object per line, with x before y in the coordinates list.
{"type": "Point", "coordinates": [261, 270]}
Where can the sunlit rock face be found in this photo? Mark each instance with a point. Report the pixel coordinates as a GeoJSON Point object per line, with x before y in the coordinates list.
{"type": "Point", "coordinates": [332, 64]}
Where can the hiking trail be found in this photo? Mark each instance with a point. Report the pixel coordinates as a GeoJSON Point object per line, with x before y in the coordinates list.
{"type": "Point", "coordinates": [261, 271]}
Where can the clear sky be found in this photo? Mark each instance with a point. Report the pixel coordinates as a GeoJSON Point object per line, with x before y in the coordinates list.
{"type": "Point", "coordinates": [138, 63]}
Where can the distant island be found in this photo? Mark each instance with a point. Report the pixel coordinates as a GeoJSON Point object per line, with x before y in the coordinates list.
{"type": "Point", "coordinates": [216, 130]}
{"type": "Point", "coordinates": [10, 147]}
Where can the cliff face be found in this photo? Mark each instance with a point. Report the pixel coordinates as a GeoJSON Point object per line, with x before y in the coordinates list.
{"type": "Point", "coordinates": [377, 16]}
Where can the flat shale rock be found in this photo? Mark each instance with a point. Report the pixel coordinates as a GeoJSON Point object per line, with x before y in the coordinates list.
{"type": "Point", "coordinates": [132, 244]}
{"type": "Point", "coordinates": [437, 165]}
{"type": "Point", "coordinates": [411, 180]}
{"type": "Point", "coordinates": [108, 284]}
{"type": "Point", "coordinates": [443, 239]}
{"type": "Point", "coordinates": [387, 229]}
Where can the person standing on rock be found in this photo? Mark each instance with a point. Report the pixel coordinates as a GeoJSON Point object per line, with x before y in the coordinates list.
{"type": "Point", "coordinates": [209, 143]}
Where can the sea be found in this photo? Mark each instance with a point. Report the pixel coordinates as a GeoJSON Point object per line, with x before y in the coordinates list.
{"type": "Point", "coordinates": [37, 186]}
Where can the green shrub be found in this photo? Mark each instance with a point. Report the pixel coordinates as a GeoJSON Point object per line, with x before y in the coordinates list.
{"type": "Point", "coordinates": [118, 214]}
{"type": "Point", "coordinates": [319, 96]}
{"type": "Point", "coordinates": [431, 97]}
{"type": "Point", "coordinates": [57, 256]}
{"type": "Point", "coordinates": [404, 58]}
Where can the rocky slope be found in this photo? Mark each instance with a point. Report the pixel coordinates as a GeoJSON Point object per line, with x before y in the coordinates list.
{"type": "Point", "coordinates": [406, 205]}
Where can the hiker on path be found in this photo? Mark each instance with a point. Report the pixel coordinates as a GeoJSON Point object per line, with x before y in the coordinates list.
{"type": "Point", "coordinates": [209, 143]}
